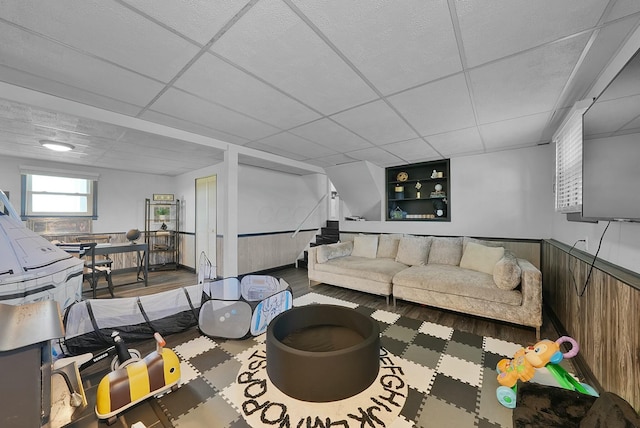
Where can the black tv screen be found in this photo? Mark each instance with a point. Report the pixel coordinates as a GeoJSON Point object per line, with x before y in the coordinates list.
{"type": "Point", "coordinates": [611, 149]}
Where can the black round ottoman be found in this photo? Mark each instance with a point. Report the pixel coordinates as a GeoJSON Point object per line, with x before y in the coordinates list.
{"type": "Point", "coordinates": [322, 353]}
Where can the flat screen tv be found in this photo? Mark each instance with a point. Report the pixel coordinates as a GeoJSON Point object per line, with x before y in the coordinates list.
{"type": "Point", "coordinates": [611, 149]}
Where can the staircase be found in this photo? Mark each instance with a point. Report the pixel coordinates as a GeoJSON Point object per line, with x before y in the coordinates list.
{"type": "Point", "coordinates": [328, 235]}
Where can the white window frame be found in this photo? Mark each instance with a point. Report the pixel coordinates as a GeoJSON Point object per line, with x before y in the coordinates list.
{"type": "Point", "coordinates": [28, 193]}
{"type": "Point", "coordinates": [568, 141]}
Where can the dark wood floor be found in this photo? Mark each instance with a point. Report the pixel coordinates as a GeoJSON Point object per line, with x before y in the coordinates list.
{"type": "Point", "coordinates": [297, 278]}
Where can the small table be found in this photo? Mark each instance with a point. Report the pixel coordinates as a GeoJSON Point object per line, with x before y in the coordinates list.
{"type": "Point", "coordinates": [142, 249]}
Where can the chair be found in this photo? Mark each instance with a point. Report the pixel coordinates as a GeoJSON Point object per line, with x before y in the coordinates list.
{"type": "Point", "coordinates": [96, 266]}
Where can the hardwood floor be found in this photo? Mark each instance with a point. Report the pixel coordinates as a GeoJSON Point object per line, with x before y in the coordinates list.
{"type": "Point", "coordinates": [164, 280]}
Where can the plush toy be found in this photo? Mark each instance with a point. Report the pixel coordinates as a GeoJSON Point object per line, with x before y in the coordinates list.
{"type": "Point", "coordinates": [526, 360]}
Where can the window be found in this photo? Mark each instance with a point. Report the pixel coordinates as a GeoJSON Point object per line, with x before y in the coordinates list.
{"type": "Point", "coordinates": [568, 140]}
{"type": "Point", "coordinates": [47, 194]}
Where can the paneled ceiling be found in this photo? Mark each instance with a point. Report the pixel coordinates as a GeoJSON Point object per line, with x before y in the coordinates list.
{"type": "Point", "coordinates": [320, 82]}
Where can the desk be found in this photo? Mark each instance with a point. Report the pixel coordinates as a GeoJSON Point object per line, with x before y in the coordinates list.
{"type": "Point", "coordinates": [92, 249]}
{"type": "Point", "coordinates": [142, 250]}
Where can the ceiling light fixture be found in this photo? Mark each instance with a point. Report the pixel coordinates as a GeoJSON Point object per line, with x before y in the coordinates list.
{"type": "Point", "coordinates": [56, 145]}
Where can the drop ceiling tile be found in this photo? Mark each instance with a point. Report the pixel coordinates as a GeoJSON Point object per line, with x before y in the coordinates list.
{"type": "Point", "coordinates": [25, 52]}
{"type": "Point", "coordinates": [493, 29]}
{"type": "Point", "coordinates": [437, 107]}
{"type": "Point", "coordinates": [272, 42]}
{"type": "Point", "coordinates": [623, 8]}
{"type": "Point", "coordinates": [332, 160]}
{"type": "Point", "coordinates": [43, 84]}
{"type": "Point", "coordinates": [297, 145]}
{"type": "Point", "coordinates": [188, 107]}
{"type": "Point", "coordinates": [199, 20]}
{"type": "Point", "coordinates": [525, 84]}
{"type": "Point", "coordinates": [396, 45]}
{"type": "Point", "coordinates": [212, 78]}
{"type": "Point", "coordinates": [375, 155]}
{"type": "Point", "coordinates": [331, 135]}
{"type": "Point", "coordinates": [259, 145]}
{"type": "Point", "coordinates": [165, 119]}
{"type": "Point", "coordinates": [414, 150]}
{"type": "Point", "coordinates": [608, 116]}
{"type": "Point", "coordinates": [377, 122]}
{"type": "Point", "coordinates": [520, 131]}
{"type": "Point", "coordinates": [457, 142]}
{"type": "Point", "coordinates": [107, 30]}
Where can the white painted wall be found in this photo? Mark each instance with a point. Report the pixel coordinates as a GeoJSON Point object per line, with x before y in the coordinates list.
{"type": "Point", "coordinates": [505, 194]}
{"type": "Point", "coordinates": [121, 194]}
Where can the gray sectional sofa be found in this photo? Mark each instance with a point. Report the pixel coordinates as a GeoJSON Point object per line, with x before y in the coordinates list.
{"type": "Point", "coordinates": [461, 274]}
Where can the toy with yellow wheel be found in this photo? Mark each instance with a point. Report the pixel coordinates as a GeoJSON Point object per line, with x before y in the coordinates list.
{"type": "Point", "coordinates": [128, 385]}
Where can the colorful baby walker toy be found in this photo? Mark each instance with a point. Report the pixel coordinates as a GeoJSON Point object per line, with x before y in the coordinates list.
{"type": "Point", "coordinates": [544, 354]}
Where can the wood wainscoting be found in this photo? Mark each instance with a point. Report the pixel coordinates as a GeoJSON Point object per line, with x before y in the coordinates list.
{"type": "Point", "coordinates": [604, 320]}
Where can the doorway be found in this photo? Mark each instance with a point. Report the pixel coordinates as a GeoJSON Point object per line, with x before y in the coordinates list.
{"type": "Point", "coordinates": [206, 218]}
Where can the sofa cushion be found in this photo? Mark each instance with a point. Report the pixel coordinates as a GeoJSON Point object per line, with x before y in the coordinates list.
{"type": "Point", "coordinates": [507, 272]}
{"type": "Point", "coordinates": [332, 251]}
{"type": "Point", "coordinates": [365, 246]}
{"type": "Point", "coordinates": [445, 251]}
{"type": "Point", "coordinates": [481, 258]}
{"type": "Point", "coordinates": [381, 270]}
{"type": "Point", "coordinates": [466, 240]}
{"type": "Point", "coordinates": [413, 250]}
{"type": "Point", "coordinates": [388, 246]}
{"type": "Point", "coordinates": [447, 279]}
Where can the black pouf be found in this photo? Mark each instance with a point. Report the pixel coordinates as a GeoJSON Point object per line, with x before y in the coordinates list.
{"type": "Point", "coordinates": [322, 353]}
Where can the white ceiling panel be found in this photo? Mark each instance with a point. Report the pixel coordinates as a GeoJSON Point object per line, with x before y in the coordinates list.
{"type": "Point", "coordinates": [493, 29]}
{"type": "Point", "coordinates": [525, 84]}
{"type": "Point", "coordinates": [24, 51]}
{"type": "Point", "coordinates": [376, 156]}
{"type": "Point", "coordinates": [331, 135]}
{"type": "Point", "coordinates": [377, 122]}
{"type": "Point", "coordinates": [198, 20]}
{"type": "Point", "coordinates": [223, 84]}
{"type": "Point", "coordinates": [462, 141]}
{"type": "Point", "coordinates": [415, 150]}
{"type": "Point", "coordinates": [274, 43]}
{"type": "Point", "coordinates": [186, 106]}
{"type": "Point", "coordinates": [441, 106]}
{"type": "Point", "coordinates": [167, 120]}
{"type": "Point", "coordinates": [393, 57]}
{"type": "Point", "coordinates": [294, 144]}
{"type": "Point", "coordinates": [323, 83]}
{"type": "Point", "coordinates": [515, 132]}
{"type": "Point", "coordinates": [107, 30]}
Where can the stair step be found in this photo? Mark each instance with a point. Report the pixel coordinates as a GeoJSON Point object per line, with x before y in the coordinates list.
{"type": "Point", "coordinates": [333, 224]}
{"type": "Point", "coordinates": [327, 231]}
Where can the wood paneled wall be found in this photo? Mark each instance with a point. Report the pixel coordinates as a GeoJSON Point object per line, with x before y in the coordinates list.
{"type": "Point", "coordinates": [267, 251]}
{"type": "Point", "coordinates": [605, 320]}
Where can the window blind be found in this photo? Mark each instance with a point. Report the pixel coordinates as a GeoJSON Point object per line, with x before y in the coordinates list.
{"type": "Point", "coordinates": [568, 141]}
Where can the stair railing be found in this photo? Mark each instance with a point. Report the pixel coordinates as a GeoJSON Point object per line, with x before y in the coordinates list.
{"type": "Point", "coordinates": [309, 215]}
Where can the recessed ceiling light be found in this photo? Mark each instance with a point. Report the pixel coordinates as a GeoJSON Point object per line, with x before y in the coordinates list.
{"type": "Point", "coordinates": [56, 145]}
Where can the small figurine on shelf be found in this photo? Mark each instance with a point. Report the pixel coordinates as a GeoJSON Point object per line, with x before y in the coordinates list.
{"type": "Point", "coordinates": [163, 226]}
{"type": "Point", "coordinates": [418, 186]}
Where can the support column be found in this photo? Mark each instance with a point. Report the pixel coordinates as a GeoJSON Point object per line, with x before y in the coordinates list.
{"type": "Point", "coordinates": [230, 241]}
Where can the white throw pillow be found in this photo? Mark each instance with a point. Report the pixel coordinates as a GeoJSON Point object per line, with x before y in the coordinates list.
{"type": "Point", "coordinates": [413, 250]}
{"type": "Point", "coordinates": [365, 246]}
{"type": "Point", "coordinates": [388, 246]}
{"type": "Point", "coordinates": [480, 257]}
{"type": "Point", "coordinates": [445, 251]}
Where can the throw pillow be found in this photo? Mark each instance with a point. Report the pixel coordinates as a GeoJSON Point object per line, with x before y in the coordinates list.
{"type": "Point", "coordinates": [388, 246]}
{"type": "Point", "coordinates": [507, 272]}
{"type": "Point", "coordinates": [480, 258]}
{"type": "Point", "coordinates": [446, 251]}
{"type": "Point", "coordinates": [365, 246]}
{"type": "Point", "coordinates": [332, 251]}
{"type": "Point", "coordinates": [466, 240]}
{"type": "Point", "coordinates": [413, 250]}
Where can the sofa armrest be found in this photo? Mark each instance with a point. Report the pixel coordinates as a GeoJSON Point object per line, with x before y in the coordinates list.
{"type": "Point", "coordinates": [312, 258]}
{"type": "Point", "coordinates": [531, 286]}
